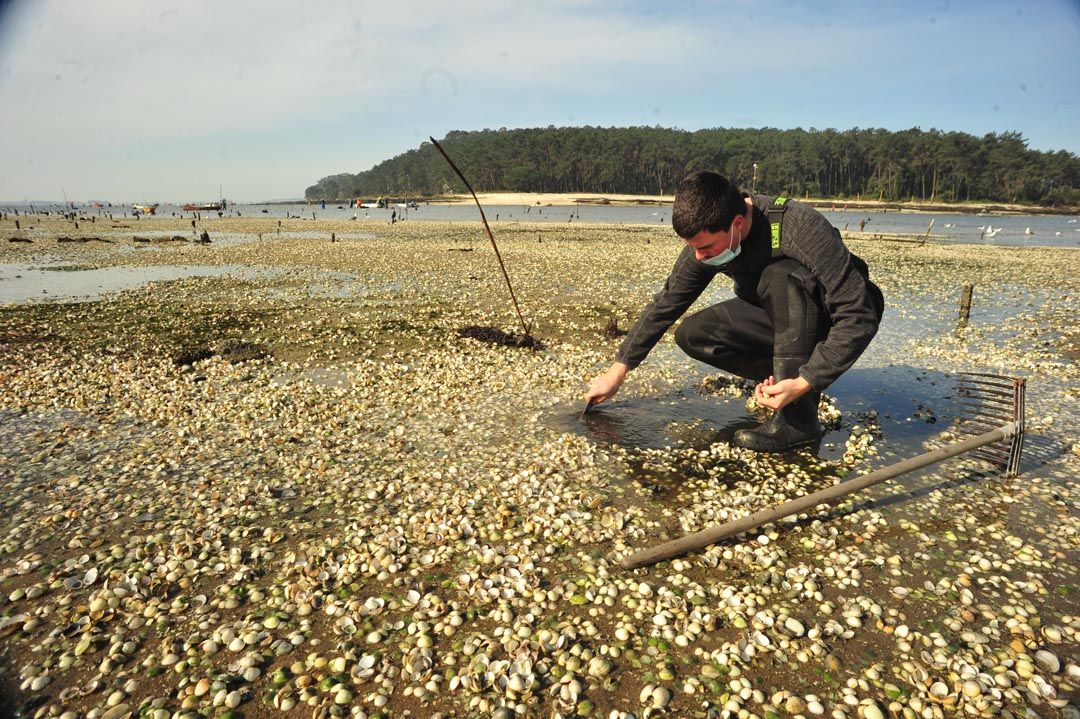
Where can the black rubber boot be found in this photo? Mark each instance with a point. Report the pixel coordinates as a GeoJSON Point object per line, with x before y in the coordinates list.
{"type": "Point", "coordinates": [793, 426]}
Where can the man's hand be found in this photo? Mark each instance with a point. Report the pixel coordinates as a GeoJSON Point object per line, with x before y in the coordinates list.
{"type": "Point", "coordinates": [775, 395]}
{"type": "Point", "coordinates": [606, 385]}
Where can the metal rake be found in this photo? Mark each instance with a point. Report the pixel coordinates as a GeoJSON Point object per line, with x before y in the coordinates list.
{"type": "Point", "coordinates": [991, 404]}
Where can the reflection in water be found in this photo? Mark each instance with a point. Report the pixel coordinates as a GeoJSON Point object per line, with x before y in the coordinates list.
{"type": "Point", "coordinates": [647, 422]}
{"type": "Point", "coordinates": [911, 405]}
{"type": "Point", "coordinates": [20, 283]}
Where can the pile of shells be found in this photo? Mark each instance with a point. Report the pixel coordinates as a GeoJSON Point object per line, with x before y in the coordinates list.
{"type": "Point", "coordinates": [380, 517]}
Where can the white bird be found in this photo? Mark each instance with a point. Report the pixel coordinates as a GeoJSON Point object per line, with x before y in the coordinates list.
{"type": "Point", "coordinates": [1028, 231]}
{"type": "Point", "coordinates": [991, 232]}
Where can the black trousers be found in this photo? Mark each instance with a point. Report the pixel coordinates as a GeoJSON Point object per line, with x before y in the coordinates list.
{"type": "Point", "coordinates": [741, 337]}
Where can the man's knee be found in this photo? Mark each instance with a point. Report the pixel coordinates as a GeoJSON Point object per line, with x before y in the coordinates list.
{"type": "Point", "coordinates": [699, 332]}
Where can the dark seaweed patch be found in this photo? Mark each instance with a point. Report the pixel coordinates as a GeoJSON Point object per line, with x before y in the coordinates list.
{"type": "Point", "coordinates": [493, 336]}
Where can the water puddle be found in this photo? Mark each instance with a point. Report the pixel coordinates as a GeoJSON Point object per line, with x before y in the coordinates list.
{"type": "Point", "coordinates": [21, 283]}
{"type": "Point", "coordinates": [910, 405]}
{"type": "Point", "coordinates": [1012, 312]}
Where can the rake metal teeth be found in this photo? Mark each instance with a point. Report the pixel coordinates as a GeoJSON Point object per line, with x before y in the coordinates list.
{"type": "Point", "coordinates": [990, 401]}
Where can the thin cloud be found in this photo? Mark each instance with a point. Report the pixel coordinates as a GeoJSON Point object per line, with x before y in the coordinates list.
{"type": "Point", "coordinates": [201, 68]}
{"type": "Point", "coordinates": [155, 97]}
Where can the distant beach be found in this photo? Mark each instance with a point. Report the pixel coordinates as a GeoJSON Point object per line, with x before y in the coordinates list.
{"type": "Point", "coordinates": [585, 198]}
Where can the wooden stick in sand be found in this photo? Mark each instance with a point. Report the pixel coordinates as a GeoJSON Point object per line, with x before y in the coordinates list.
{"type": "Point", "coordinates": [491, 237]}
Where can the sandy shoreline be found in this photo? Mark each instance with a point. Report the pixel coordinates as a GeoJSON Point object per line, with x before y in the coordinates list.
{"type": "Point", "coordinates": [571, 199]}
{"type": "Point", "coordinates": [320, 480]}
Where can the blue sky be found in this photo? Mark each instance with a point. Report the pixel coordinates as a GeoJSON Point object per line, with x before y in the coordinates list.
{"type": "Point", "coordinates": [123, 101]}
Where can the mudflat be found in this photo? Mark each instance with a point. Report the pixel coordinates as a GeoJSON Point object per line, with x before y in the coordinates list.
{"type": "Point", "coordinates": [328, 477]}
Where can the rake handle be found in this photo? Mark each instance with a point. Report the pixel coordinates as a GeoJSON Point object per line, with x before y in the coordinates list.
{"type": "Point", "coordinates": [712, 535]}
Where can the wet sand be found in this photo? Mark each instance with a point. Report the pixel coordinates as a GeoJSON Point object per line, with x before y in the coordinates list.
{"type": "Point", "coordinates": [310, 487]}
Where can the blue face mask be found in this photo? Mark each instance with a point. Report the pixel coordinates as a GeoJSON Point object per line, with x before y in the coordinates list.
{"type": "Point", "coordinates": [724, 257]}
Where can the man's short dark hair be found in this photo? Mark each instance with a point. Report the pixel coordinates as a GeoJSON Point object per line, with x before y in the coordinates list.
{"type": "Point", "coordinates": [705, 201]}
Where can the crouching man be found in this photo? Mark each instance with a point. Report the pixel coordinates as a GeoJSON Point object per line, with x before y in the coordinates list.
{"type": "Point", "coordinates": [804, 306]}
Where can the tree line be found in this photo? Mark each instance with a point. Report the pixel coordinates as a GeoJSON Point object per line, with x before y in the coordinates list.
{"type": "Point", "coordinates": [913, 164]}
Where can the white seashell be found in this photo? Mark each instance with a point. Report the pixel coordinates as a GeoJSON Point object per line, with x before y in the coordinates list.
{"type": "Point", "coordinates": [661, 697]}
{"type": "Point", "coordinates": [120, 711]}
{"type": "Point", "coordinates": [599, 667]}
{"type": "Point", "coordinates": [1048, 661]}
{"type": "Point", "coordinates": [794, 627]}
{"type": "Point", "coordinates": [872, 711]}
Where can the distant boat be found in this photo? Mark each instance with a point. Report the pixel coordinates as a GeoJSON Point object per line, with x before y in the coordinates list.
{"type": "Point", "coordinates": [206, 207]}
{"type": "Point", "coordinates": [144, 209]}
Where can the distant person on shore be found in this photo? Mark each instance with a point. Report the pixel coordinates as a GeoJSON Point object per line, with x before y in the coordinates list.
{"type": "Point", "coordinates": [804, 308]}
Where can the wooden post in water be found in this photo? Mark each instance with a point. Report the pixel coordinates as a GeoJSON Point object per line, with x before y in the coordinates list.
{"type": "Point", "coordinates": [927, 236]}
{"type": "Point", "coordinates": [965, 305]}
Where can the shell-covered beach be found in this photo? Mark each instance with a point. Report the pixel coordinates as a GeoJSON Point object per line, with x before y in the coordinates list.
{"type": "Point", "coordinates": [302, 478]}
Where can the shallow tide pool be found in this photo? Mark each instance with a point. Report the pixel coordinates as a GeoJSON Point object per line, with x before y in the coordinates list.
{"type": "Point", "coordinates": [22, 283]}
